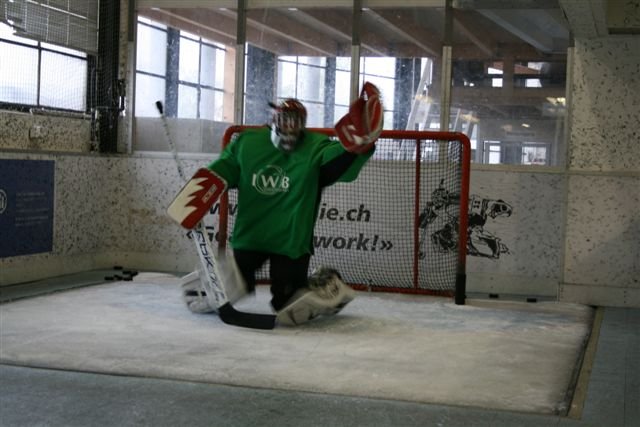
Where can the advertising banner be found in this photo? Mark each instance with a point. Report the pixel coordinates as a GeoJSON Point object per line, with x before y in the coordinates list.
{"type": "Point", "coordinates": [26, 206]}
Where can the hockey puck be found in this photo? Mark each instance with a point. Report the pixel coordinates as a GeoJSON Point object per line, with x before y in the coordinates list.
{"type": "Point", "coordinates": [494, 296]}
{"type": "Point", "coordinates": [532, 299]}
{"type": "Point", "coordinates": [117, 267]}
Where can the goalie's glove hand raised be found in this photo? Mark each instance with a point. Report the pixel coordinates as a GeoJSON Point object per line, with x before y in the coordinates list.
{"type": "Point", "coordinates": [359, 129]}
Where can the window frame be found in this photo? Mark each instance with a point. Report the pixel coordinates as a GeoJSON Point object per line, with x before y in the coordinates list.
{"type": "Point", "coordinates": [171, 76]}
{"type": "Point", "coordinates": [90, 88]}
{"type": "Point", "coordinates": [295, 60]}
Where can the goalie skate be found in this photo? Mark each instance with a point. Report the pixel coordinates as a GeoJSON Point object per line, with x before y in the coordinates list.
{"type": "Point", "coordinates": [327, 295]}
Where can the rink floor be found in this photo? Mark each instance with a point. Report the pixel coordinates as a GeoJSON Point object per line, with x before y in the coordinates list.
{"type": "Point", "coordinates": [494, 354]}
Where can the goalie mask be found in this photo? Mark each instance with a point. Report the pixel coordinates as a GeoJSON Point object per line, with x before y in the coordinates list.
{"type": "Point", "coordinates": [288, 121]}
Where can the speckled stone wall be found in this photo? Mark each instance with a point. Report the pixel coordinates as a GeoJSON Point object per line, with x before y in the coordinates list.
{"type": "Point", "coordinates": [74, 239]}
{"type": "Point", "coordinates": [111, 210]}
{"type": "Point", "coordinates": [18, 132]}
{"type": "Point", "coordinates": [605, 127]}
{"type": "Point", "coordinates": [54, 134]}
{"type": "Point", "coordinates": [603, 231]}
{"type": "Point", "coordinates": [108, 210]}
{"type": "Point", "coordinates": [602, 259]}
{"type": "Point", "coordinates": [156, 183]}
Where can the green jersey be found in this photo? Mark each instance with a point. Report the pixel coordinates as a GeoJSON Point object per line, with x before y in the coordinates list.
{"type": "Point", "coordinates": [279, 192]}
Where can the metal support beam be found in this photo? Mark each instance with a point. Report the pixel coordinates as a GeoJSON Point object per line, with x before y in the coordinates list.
{"type": "Point", "coordinates": [241, 37]}
{"type": "Point", "coordinates": [355, 50]}
{"type": "Point", "coordinates": [445, 94]}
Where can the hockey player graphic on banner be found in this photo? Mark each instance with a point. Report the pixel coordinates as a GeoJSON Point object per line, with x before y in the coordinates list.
{"type": "Point", "coordinates": [480, 241]}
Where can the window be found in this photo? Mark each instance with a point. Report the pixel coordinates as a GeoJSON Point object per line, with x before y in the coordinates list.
{"type": "Point", "coordinates": [534, 154]}
{"type": "Point", "coordinates": [470, 73]}
{"type": "Point", "coordinates": [303, 78]}
{"type": "Point", "coordinates": [495, 73]}
{"type": "Point", "coordinates": [151, 63]}
{"type": "Point", "coordinates": [382, 73]}
{"type": "Point", "coordinates": [181, 68]}
{"type": "Point", "coordinates": [515, 105]}
{"type": "Point", "coordinates": [500, 79]}
{"type": "Point", "coordinates": [37, 74]}
{"type": "Point", "coordinates": [534, 74]}
{"type": "Point", "coordinates": [200, 78]}
{"type": "Point", "coordinates": [516, 153]}
{"type": "Point", "coordinates": [494, 154]}
{"type": "Point", "coordinates": [343, 77]}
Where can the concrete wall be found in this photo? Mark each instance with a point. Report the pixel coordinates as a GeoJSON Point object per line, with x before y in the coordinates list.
{"type": "Point", "coordinates": [28, 132]}
{"type": "Point", "coordinates": [108, 210]}
{"type": "Point", "coordinates": [602, 241]}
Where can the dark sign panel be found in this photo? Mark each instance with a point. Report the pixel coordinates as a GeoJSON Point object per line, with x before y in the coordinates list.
{"type": "Point", "coordinates": [26, 206]}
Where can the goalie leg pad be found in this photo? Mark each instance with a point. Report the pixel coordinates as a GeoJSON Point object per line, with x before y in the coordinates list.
{"type": "Point", "coordinates": [300, 309]}
{"type": "Point", "coordinates": [230, 276]}
{"type": "Point", "coordinates": [197, 196]}
{"type": "Point", "coordinates": [327, 283]}
{"type": "Point", "coordinates": [194, 294]}
{"type": "Point", "coordinates": [327, 295]}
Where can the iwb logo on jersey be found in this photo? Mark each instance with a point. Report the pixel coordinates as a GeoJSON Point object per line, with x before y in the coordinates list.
{"type": "Point", "coordinates": [270, 180]}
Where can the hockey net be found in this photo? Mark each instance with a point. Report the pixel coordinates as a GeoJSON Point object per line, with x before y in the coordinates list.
{"type": "Point", "coordinates": [401, 226]}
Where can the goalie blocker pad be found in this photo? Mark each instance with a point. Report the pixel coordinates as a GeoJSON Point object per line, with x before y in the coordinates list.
{"type": "Point", "coordinates": [197, 196]}
{"type": "Point", "coordinates": [359, 129]}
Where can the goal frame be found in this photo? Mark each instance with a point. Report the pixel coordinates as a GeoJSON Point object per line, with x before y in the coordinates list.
{"type": "Point", "coordinates": [459, 293]}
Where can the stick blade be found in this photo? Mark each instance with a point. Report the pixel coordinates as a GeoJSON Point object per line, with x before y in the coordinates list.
{"type": "Point", "coordinates": [231, 316]}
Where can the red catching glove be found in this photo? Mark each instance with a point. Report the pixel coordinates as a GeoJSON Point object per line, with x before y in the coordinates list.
{"type": "Point", "coordinates": [359, 129]}
{"type": "Point", "coordinates": [196, 198]}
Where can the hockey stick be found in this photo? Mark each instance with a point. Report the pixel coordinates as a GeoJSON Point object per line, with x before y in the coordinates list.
{"type": "Point", "coordinates": [226, 312]}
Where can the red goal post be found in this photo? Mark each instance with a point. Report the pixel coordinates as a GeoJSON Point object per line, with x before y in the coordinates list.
{"type": "Point", "coordinates": [401, 226]}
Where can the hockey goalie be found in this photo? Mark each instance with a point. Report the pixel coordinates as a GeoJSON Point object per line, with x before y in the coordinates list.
{"type": "Point", "coordinates": [280, 171]}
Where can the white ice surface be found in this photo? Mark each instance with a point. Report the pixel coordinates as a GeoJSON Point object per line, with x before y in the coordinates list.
{"type": "Point", "coordinates": [491, 354]}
